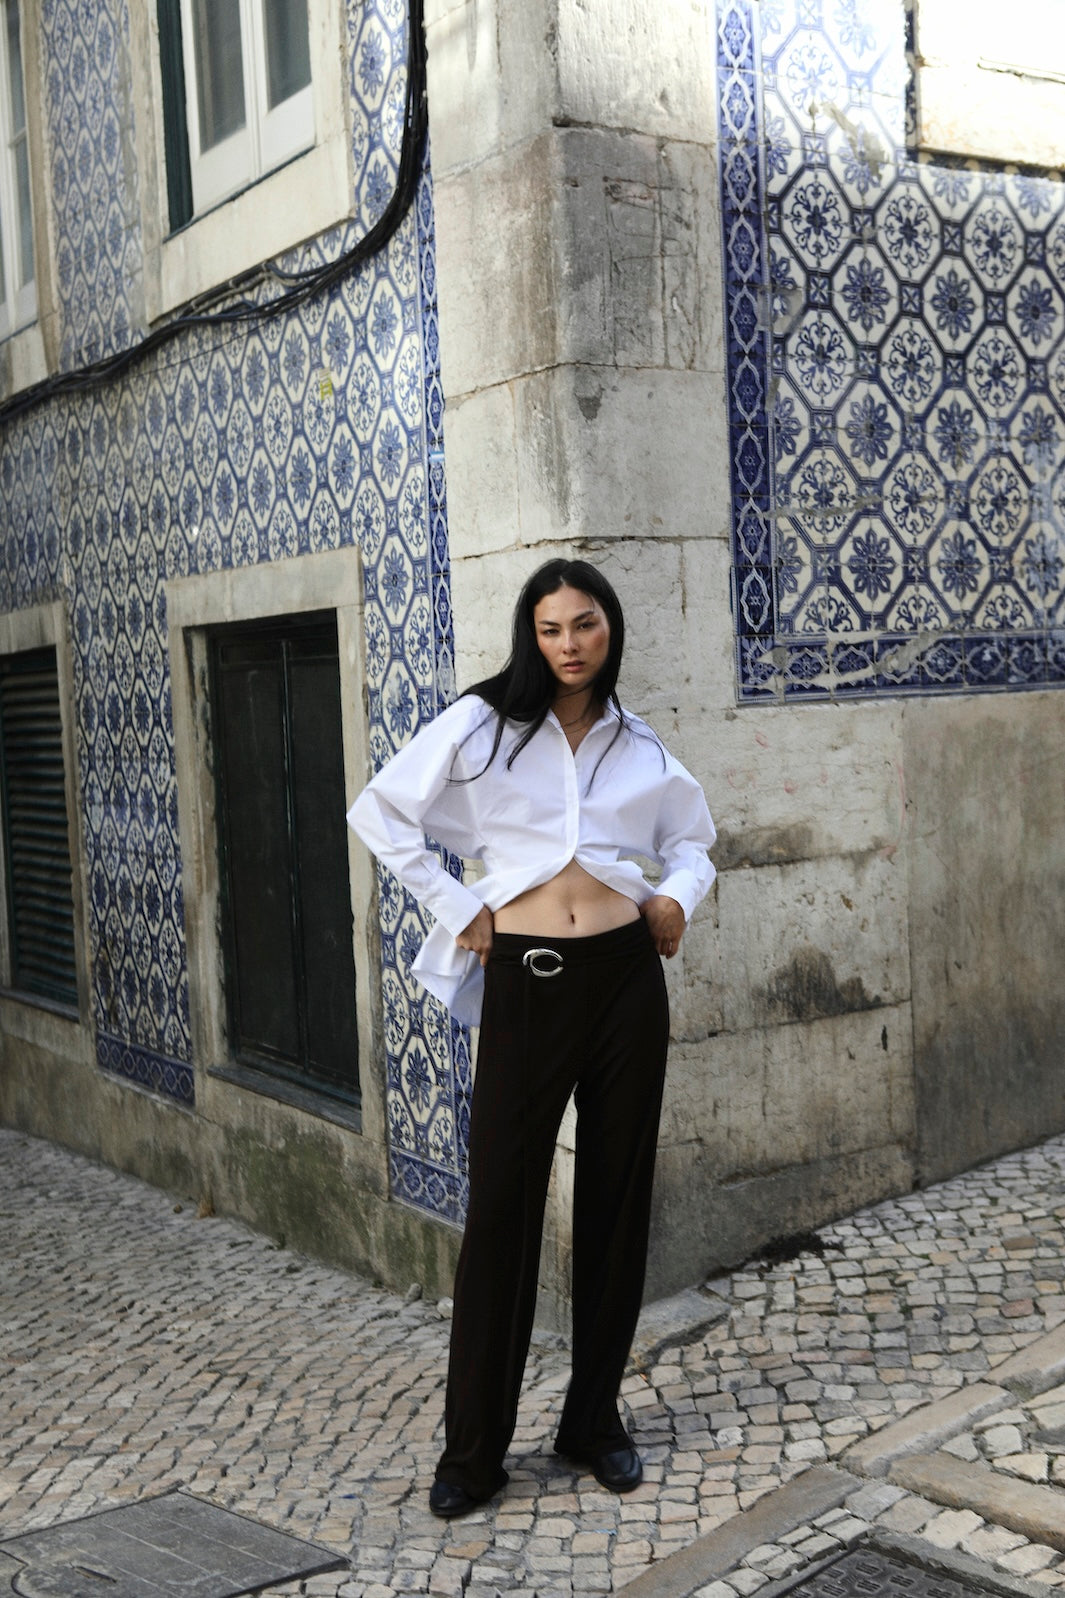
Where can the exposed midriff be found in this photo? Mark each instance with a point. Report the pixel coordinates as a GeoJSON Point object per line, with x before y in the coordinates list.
{"type": "Point", "coordinates": [572, 904]}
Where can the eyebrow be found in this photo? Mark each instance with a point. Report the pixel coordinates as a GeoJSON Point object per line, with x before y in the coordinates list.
{"type": "Point", "coordinates": [549, 621]}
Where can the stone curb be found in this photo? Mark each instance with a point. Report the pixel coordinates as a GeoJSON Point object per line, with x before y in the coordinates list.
{"type": "Point", "coordinates": [955, 1563]}
{"type": "Point", "coordinates": [672, 1322]}
{"type": "Point", "coordinates": [899, 1452]}
{"type": "Point", "coordinates": [926, 1427]}
{"type": "Point", "coordinates": [1036, 1368]}
{"type": "Point", "coordinates": [815, 1492]}
{"type": "Point", "coordinates": [951, 1563]}
{"type": "Point", "coordinates": [1035, 1512]}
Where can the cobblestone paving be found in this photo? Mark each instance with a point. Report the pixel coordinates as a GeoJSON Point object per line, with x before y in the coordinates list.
{"type": "Point", "coordinates": [1027, 1442]}
{"type": "Point", "coordinates": [143, 1348]}
{"type": "Point", "coordinates": [881, 1506]}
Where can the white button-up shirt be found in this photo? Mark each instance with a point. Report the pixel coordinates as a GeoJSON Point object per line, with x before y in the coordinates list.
{"type": "Point", "coordinates": [603, 806]}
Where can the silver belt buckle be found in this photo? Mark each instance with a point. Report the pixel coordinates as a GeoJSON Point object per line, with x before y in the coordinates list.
{"type": "Point", "coordinates": [532, 955]}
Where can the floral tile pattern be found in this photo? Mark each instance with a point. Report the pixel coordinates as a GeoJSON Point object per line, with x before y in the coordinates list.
{"type": "Point", "coordinates": [896, 375]}
{"type": "Point", "coordinates": [94, 189]}
{"type": "Point", "coordinates": [311, 430]}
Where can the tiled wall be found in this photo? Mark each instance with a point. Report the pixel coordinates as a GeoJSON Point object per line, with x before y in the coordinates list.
{"type": "Point", "coordinates": [896, 375]}
{"type": "Point", "coordinates": [228, 447]}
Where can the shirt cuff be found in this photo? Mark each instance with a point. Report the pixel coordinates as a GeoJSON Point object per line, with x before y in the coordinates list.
{"type": "Point", "coordinates": [453, 903]}
{"type": "Point", "coordinates": [683, 886]}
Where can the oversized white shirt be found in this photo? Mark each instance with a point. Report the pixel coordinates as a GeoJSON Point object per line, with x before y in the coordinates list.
{"type": "Point", "coordinates": [603, 806]}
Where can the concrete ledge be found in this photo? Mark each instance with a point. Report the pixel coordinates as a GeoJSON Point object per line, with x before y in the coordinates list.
{"type": "Point", "coordinates": [1036, 1368]}
{"type": "Point", "coordinates": [925, 1428]}
{"type": "Point", "coordinates": [1036, 1512]}
{"type": "Point", "coordinates": [815, 1492]}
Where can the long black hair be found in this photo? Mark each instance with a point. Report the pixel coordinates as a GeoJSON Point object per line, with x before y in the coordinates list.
{"type": "Point", "coordinates": [525, 690]}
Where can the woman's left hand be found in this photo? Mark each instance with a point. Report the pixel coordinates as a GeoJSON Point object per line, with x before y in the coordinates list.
{"type": "Point", "coordinates": [666, 923]}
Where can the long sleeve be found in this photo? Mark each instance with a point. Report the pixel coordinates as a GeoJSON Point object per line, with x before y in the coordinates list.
{"type": "Point", "coordinates": [414, 795]}
{"type": "Point", "coordinates": [683, 834]}
{"type": "Point", "coordinates": [608, 806]}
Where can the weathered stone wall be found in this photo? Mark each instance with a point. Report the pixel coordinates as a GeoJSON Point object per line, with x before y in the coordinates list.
{"type": "Point", "coordinates": [858, 1005]}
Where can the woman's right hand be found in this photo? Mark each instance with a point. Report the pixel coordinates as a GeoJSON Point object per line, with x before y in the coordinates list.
{"type": "Point", "coordinates": [477, 937]}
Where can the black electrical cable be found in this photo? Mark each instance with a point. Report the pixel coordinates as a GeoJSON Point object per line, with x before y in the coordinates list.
{"type": "Point", "coordinates": [299, 286]}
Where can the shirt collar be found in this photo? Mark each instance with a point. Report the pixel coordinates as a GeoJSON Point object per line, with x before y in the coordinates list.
{"type": "Point", "coordinates": [609, 716]}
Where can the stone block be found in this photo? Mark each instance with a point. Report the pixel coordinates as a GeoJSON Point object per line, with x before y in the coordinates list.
{"type": "Point", "coordinates": [797, 783]}
{"type": "Point", "coordinates": [497, 224]}
{"type": "Point", "coordinates": [703, 1223]}
{"type": "Point", "coordinates": [484, 504]}
{"type": "Point", "coordinates": [579, 476]}
{"type": "Point", "coordinates": [677, 669]}
{"type": "Point", "coordinates": [926, 1427]}
{"type": "Point", "coordinates": [493, 79]}
{"type": "Point", "coordinates": [664, 86]}
{"type": "Point", "coordinates": [1032, 1510]}
{"type": "Point", "coordinates": [638, 251]}
{"type": "Point", "coordinates": [985, 818]}
{"type": "Point", "coordinates": [778, 1097]}
{"type": "Point", "coordinates": [590, 249]}
{"type": "Point", "coordinates": [811, 939]}
{"type": "Point", "coordinates": [707, 646]}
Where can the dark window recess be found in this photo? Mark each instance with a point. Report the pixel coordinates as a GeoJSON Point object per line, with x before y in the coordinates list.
{"type": "Point", "coordinates": [175, 132]}
{"type": "Point", "coordinates": [40, 903]}
{"type": "Point", "coordinates": [287, 903]}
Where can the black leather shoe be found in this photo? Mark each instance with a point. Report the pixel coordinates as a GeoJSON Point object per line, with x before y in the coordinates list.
{"type": "Point", "coordinates": [449, 1502]}
{"type": "Point", "coordinates": [620, 1470]}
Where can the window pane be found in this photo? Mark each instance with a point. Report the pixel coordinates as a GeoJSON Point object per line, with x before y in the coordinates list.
{"type": "Point", "coordinates": [288, 56]}
{"type": "Point", "coordinates": [14, 69]}
{"type": "Point", "coordinates": [219, 69]}
{"type": "Point", "coordinates": [25, 212]}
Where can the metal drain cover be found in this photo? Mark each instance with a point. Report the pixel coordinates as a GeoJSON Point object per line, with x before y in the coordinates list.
{"type": "Point", "coordinates": [867, 1572]}
{"type": "Point", "coordinates": [175, 1546]}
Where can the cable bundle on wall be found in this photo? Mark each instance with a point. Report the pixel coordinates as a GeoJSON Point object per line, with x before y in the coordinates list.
{"type": "Point", "coordinates": [298, 287]}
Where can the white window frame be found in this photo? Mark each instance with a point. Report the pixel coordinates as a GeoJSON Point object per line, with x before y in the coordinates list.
{"type": "Point", "coordinates": [267, 139]}
{"type": "Point", "coordinates": [301, 200]}
{"type": "Point", "coordinates": [987, 90]}
{"type": "Point", "coordinates": [19, 305]}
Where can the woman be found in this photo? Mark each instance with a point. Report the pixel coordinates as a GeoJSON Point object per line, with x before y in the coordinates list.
{"type": "Point", "coordinates": [540, 773]}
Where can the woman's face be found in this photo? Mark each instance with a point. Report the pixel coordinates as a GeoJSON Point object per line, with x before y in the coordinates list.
{"type": "Point", "coordinates": [574, 636]}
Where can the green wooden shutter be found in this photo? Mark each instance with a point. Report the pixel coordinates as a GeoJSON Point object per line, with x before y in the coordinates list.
{"type": "Point", "coordinates": [37, 845]}
{"type": "Point", "coordinates": [175, 130]}
{"type": "Point", "coordinates": [290, 968]}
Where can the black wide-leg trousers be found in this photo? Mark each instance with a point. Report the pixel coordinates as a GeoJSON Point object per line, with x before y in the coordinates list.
{"type": "Point", "coordinates": [598, 1029]}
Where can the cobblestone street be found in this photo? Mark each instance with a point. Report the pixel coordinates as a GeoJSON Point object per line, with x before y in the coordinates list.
{"type": "Point", "coordinates": [145, 1348]}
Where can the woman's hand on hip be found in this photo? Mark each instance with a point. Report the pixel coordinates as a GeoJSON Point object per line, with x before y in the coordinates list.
{"type": "Point", "coordinates": [477, 937]}
{"type": "Point", "coordinates": [665, 922]}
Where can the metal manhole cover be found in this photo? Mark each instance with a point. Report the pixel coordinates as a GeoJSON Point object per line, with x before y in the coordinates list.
{"type": "Point", "coordinates": [175, 1546]}
{"type": "Point", "coordinates": [866, 1572]}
